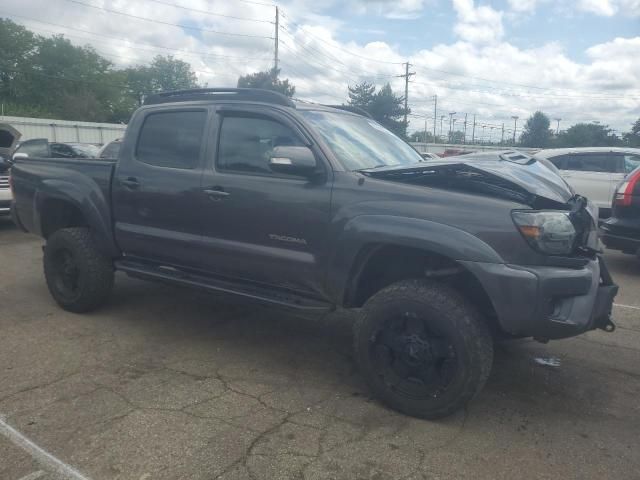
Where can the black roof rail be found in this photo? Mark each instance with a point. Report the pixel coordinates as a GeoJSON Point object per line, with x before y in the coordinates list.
{"type": "Point", "coordinates": [251, 94]}
{"type": "Point", "coordinates": [352, 109]}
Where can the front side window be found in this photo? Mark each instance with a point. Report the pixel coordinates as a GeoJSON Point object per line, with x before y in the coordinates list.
{"type": "Point", "coordinates": [60, 150]}
{"type": "Point", "coordinates": [171, 139]}
{"type": "Point", "coordinates": [246, 143]}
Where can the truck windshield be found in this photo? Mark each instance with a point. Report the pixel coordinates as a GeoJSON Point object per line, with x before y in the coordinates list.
{"type": "Point", "coordinates": [359, 142]}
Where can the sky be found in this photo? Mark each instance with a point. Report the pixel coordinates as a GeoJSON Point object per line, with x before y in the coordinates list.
{"type": "Point", "coordinates": [577, 61]}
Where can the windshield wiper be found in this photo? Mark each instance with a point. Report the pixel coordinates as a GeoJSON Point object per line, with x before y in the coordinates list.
{"type": "Point", "coordinates": [371, 168]}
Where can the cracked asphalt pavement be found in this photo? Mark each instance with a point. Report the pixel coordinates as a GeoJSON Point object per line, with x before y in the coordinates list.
{"type": "Point", "coordinates": [166, 383]}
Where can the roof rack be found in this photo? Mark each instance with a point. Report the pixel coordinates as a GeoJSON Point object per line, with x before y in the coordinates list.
{"type": "Point", "coordinates": [352, 109]}
{"type": "Point", "coordinates": [251, 94]}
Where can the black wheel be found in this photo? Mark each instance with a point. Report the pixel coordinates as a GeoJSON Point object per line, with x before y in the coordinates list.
{"type": "Point", "coordinates": [79, 276]}
{"type": "Point", "coordinates": [422, 348]}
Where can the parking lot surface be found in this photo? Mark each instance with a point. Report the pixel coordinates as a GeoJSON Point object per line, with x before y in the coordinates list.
{"type": "Point", "coordinates": [166, 383]}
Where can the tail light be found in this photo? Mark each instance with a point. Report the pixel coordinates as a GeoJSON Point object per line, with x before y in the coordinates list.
{"type": "Point", "coordinates": [624, 193]}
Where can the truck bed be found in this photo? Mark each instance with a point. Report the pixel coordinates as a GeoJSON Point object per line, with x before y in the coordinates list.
{"type": "Point", "coordinates": [37, 179]}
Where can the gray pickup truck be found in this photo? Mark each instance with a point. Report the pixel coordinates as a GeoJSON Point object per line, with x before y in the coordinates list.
{"type": "Point", "coordinates": [312, 208]}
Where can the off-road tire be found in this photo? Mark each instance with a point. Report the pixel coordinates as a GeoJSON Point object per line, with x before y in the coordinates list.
{"type": "Point", "coordinates": [94, 271]}
{"type": "Point", "coordinates": [443, 309]}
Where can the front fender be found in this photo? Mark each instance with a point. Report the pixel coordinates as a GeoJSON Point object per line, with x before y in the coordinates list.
{"type": "Point", "coordinates": [86, 197]}
{"type": "Point", "coordinates": [368, 230]}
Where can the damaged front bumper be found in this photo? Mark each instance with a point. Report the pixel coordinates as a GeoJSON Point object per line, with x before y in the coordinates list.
{"type": "Point", "coordinates": [548, 302]}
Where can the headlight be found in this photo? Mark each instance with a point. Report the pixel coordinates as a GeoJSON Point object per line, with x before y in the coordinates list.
{"type": "Point", "coordinates": [549, 232]}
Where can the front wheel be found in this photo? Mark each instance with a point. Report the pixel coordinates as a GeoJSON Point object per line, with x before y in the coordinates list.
{"type": "Point", "coordinates": [79, 276]}
{"type": "Point", "coordinates": [422, 348]}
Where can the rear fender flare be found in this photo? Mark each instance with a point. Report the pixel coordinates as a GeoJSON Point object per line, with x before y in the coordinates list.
{"type": "Point", "coordinates": [88, 199]}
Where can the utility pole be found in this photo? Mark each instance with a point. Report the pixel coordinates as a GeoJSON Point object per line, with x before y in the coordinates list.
{"type": "Point", "coordinates": [425, 131]}
{"type": "Point", "coordinates": [473, 132]}
{"type": "Point", "coordinates": [435, 116]}
{"type": "Point", "coordinates": [482, 137]}
{"type": "Point", "coordinates": [557, 125]}
{"type": "Point", "coordinates": [451, 114]}
{"type": "Point", "coordinates": [441, 118]}
{"type": "Point", "coordinates": [464, 140]}
{"type": "Point", "coordinates": [406, 76]}
{"type": "Point", "coordinates": [515, 127]}
{"type": "Point", "coordinates": [275, 49]}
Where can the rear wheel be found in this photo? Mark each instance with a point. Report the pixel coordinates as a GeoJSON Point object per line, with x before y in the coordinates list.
{"type": "Point", "coordinates": [79, 276]}
{"type": "Point", "coordinates": [422, 348]}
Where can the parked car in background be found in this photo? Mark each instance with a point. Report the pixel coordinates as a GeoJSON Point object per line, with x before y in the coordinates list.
{"type": "Point", "coordinates": [42, 148]}
{"type": "Point", "coordinates": [622, 230]}
{"type": "Point", "coordinates": [429, 156]}
{"type": "Point", "coordinates": [111, 149]}
{"type": "Point", "coordinates": [9, 136]}
{"type": "Point", "coordinates": [594, 172]}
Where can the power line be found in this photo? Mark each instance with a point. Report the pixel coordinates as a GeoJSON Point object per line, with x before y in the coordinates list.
{"type": "Point", "coordinates": [206, 12]}
{"type": "Point", "coordinates": [160, 22]}
{"type": "Point", "coordinates": [491, 81]}
{"type": "Point", "coordinates": [153, 45]}
{"type": "Point", "coordinates": [340, 48]}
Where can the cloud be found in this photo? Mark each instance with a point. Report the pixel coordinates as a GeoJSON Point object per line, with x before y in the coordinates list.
{"type": "Point", "coordinates": [523, 6]}
{"type": "Point", "coordinates": [479, 73]}
{"type": "Point", "coordinates": [609, 8]}
{"type": "Point", "coordinates": [477, 24]}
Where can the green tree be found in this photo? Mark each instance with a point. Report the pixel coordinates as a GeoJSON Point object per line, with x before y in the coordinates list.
{"type": "Point", "coordinates": [632, 138]}
{"type": "Point", "coordinates": [169, 73]}
{"type": "Point", "coordinates": [388, 109]}
{"type": "Point", "coordinates": [421, 136]}
{"type": "Point", "coordinates": [587, 135]}
{"type": "Point", "coordinates": [268, 81]}
{"type": "Point", "coordinates": [536, 131]}
{"type": "Point", "coordinates": [384, 106]}
{"type": "Point", "coordinates": [18, 46]}
{"type": "Point", "coordinates": [362, 95]}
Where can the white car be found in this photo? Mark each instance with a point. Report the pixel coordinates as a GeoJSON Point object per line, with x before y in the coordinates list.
{"type": "Point", "coordinates": [594, 172]}
{"type": "Point", "coordinates": [9, 136]}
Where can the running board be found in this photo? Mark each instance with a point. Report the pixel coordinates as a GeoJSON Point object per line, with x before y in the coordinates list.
{"type": "Point", "coordinates": [176, 276]}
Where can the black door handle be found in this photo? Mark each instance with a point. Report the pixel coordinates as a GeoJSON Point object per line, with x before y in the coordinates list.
{"type": "Point", "coordinates": [131, 183]}
{"type": "Point", "coordinates": [216, 193]}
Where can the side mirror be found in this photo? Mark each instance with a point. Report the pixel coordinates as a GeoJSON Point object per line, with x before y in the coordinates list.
{"type": "Point", "coordinates": [19, 155]}
{"type": "Point", "coordinates": [293, 160]}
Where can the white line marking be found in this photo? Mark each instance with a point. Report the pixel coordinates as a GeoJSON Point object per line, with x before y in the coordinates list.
{"type": "Point", "coordinates": [632, 307]}
{"type": "Point", "coordinates": [34, 475]}
{"type": "Point", "coordinates": [40, 455]}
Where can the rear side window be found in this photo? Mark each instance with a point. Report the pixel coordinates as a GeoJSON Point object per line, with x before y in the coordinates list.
{"type": "Point", "coordinates": [171, 139]}
{"type": "Point", "coordinates": [246, 143]}
{"type": "Point", "coordinates": [586, 162]}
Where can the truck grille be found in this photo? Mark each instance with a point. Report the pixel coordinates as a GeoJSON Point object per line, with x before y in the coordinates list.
{"type": "Point", "coordinates": [4, 183]}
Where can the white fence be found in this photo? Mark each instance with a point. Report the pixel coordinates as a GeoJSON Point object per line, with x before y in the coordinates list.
{"type": "Point", "coordinates": [441, 147]}
{"type": "Point", "coordinates": [65, 130]}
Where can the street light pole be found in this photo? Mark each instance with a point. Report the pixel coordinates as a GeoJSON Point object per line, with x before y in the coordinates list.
{"type": "Point", "coordinates": [515, 127]}
{"type": "Point", "coordinates": [451, 114]}
{"type": "Point", "coordinates": [557, 125]}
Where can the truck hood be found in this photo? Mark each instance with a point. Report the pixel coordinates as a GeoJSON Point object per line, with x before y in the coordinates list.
{"type": "Point", "coordinates": [512, 175]}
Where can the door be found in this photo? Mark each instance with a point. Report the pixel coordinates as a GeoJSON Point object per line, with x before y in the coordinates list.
{"type": "Point", "coordinates": [259, 225]}
{"type": "Point", "coordinates": [590, 175]}
{"type": "Point", "coordinates": [156, 187]}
